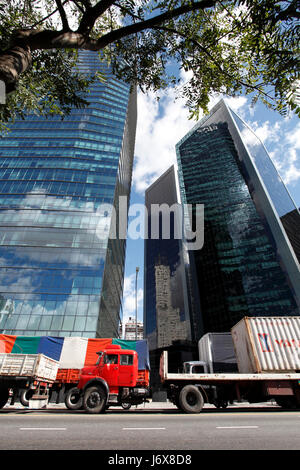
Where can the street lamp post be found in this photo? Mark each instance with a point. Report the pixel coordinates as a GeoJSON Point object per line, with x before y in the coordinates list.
{"type": "Point", "coordinates": [136, 277]}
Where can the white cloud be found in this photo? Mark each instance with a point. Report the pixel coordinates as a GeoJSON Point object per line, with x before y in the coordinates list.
{"type": "Point", "coordinates": [160, 126]}
{"type": "Point", "coordinates": [267, 131]}
{"type": "Point", "coordinates": [285, 153]}
{"type": "Point", "coordinates": [129, 297]}
{"type": "Point", "coordinates": [293, 138]}
{"type": "Point", "coordinates": [291, 173]}
{"type": "Point", "coordinates": [238, 104]}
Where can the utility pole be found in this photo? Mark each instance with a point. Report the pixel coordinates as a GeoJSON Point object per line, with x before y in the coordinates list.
{"type": "Point", "coordinates": [136, 277]}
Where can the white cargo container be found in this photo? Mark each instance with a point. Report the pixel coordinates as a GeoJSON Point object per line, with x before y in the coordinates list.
{"type": "Point", "coordinates": [267, 344]}
{"type": "Point", "coordinates": [217, 351]}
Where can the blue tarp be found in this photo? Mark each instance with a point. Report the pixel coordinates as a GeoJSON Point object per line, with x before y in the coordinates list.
{"type": "Point", "coordinates": [51, 346]}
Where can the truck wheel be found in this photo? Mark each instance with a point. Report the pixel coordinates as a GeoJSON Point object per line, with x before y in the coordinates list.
{"type": "Point", "coordinates": [73, 400]}
{"type": "Point", "coordinates": [25, 396]}
{"type": "Point", "coordinates": [191, 399]}
{"type": "Point", "coordinates": [126, 406]}
{"type": "Point", "coordinates": [94, 400]}
{"type": "Point", "coordinates": [4, 395]}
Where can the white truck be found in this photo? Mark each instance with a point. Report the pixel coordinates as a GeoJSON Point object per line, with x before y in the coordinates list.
{"type": "Point", "coordinates": [267, 351]}
{"type": "Point", "coordinates": [26, 376]}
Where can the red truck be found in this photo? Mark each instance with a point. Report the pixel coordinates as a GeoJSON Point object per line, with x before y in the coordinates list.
{"type": "Point", "coordinates": [115, 380]}
{"type": "Point", "coordinates": [78, 361]}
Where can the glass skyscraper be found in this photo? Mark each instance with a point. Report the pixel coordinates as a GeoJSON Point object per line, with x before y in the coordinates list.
{"type": "Point", "coordinates": [60, 272]}
{"type": "Point", "coordinates": [248, 265]}
{"type": "Point", "coordinates": [169, 308]}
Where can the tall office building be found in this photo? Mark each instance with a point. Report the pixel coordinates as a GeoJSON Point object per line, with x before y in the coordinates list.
{"type": "Point", "coordinates": [60, 271]}
{"type": "Point", "coordinates": [171, 310]}
{"type": "Point", "coordinates": [248, 264]}
{"type": "Point", "coordinates": [169, 306]}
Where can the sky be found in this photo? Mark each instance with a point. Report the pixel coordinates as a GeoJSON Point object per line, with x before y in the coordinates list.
{"type": "Point", "coordinates": [161, 124]}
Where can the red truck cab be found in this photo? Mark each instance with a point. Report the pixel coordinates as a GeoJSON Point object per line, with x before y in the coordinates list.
{"type": "Point", "coordinates": [113, 380]}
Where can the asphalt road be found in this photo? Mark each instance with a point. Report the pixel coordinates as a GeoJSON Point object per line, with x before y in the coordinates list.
{"type": "Point", "coordinates": [150, 429]}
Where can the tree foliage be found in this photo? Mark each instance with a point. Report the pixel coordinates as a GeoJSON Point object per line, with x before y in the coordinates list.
{"type": "Point", "coordinates": [232, 47]}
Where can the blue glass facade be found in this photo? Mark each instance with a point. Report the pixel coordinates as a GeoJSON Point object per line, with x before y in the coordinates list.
{"type": "Point", "coordinates": [247, 266]}
{"type": "Point", "coordinates": [60, 274]}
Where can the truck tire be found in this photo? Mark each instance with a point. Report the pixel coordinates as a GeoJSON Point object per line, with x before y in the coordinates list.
{"type": "Point", "coordinates": [25, 396]}
{"type": "Point", "coordinates": [126, 406]}
{"type": "Point", "coordinates": [191, 399]}
{"type": "Point", "coordinates": [94, 400]}
{"type": "Point", "coordinates": [73, 399]}
{"type": "Point", "coordinates": [4, 395]}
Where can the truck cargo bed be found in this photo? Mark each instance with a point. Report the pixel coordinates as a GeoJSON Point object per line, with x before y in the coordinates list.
{"type": "Point", "coordinates": [34, 366]}
{"type": "Point", "coordinates": [219, 377]}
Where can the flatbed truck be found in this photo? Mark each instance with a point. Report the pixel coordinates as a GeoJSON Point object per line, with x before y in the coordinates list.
{"type": "Point", "coordinates": [190, 391]}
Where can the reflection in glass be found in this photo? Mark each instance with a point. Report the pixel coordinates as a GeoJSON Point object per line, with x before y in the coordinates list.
{"type": "Point", "coordinates": [55, 174]}
{"type": "Point", "coordinates": [239, 272]}
{"type": "Point", "coordinates": [288, 212]}
{"type": "Point", "coordinates": [169, 310]}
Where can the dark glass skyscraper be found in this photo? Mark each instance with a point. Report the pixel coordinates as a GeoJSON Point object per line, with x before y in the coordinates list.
{"type": "Point", "coordinates": [60, 272]}
{"type": "Point", "coordinates": [248, 265]}
{"type": "Point", "coordinates": [169, 307]}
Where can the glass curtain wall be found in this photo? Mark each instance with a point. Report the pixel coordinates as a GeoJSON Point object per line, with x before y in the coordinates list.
{"type": "Point", "coordinates": [55, 177]}
{"type": "Point", "coordinates": [239, 271]}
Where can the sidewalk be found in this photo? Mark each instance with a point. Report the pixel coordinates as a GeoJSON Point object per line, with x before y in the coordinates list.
{"type": "Point", "coordinates": [169, 405]}
{"type": "Point", "coordinates": [155, 405]}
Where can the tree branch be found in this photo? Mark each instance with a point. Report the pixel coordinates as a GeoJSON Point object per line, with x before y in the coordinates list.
{"type": "Point", "coordinates": [92, 14]}
{"type": "Point", "coordinates": [63, 16]}
{"type": "Point", "coordinates": [49, 39]}
{"type": "Point", "coordinates": [79, 6]}
{"type": "Point", "coordinates": [289, 13]}
{"type": "Point", "coordinates": [46, 17]}
{"type": "Point", "coordinates": [222, 71]}
{"type": "Point", "coordinates": [152, 22]}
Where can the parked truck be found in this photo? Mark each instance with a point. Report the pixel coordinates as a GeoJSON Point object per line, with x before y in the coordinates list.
{"type": "Point", "coordinates": [114, 380]}
{"type": "Point", "coordinates": [257, 361]}
{"type": "Point", "coordinates": [266, 353]}
{"type": "Point", "coordinates": [76, 357]}
{"type": "Point", "coordinates": [26, 374]}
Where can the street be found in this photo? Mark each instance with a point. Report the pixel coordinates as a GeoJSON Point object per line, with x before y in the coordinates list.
{"type": "Point", "coordinates": [164, 428]}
